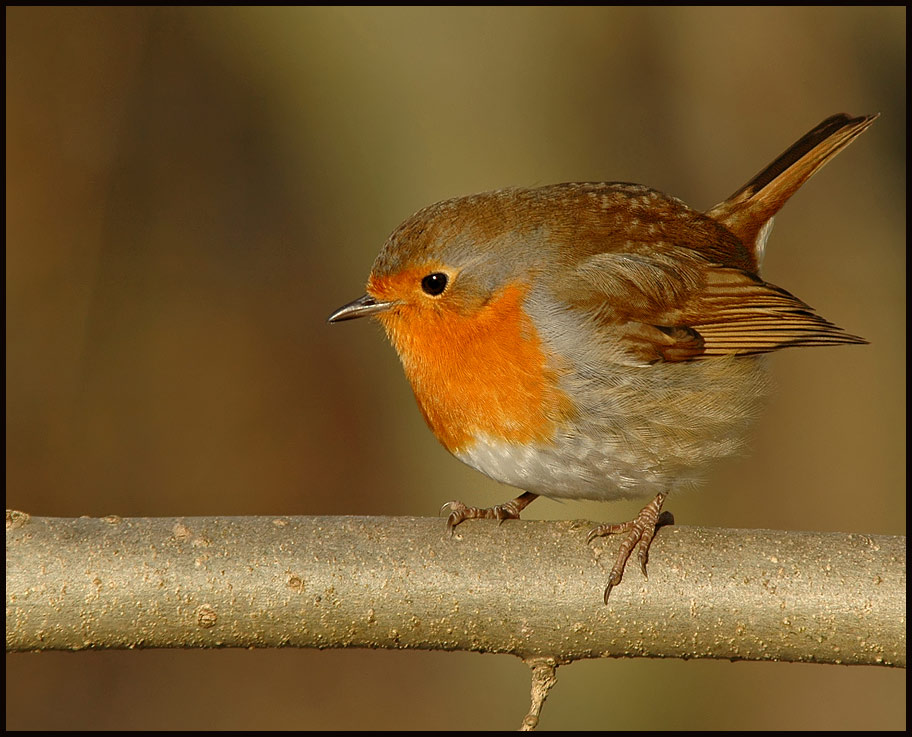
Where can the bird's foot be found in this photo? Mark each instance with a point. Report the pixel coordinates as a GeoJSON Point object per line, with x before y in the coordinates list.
{"type": "Point", "coordinates": [459, 512]}
{"type": "Point", "coordinates": [638, 533]}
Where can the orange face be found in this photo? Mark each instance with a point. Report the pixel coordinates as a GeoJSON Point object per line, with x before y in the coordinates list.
{"type": "Point", "coordinates": [476, 366]}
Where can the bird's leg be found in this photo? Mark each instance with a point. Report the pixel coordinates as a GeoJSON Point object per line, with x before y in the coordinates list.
{"type": "Point", "coordinates": [459, 512]}
{"type": "Point", "coordinates": [638, 533]}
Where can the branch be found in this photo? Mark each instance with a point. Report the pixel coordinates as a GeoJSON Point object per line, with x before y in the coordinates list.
{"type": "Point", "coordinates": [532, 589]}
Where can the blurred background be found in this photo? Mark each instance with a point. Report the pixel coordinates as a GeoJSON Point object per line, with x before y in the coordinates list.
{"type": "Point", "coordinates": [190, 192]}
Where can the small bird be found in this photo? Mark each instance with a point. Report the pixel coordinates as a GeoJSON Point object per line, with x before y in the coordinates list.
{"type": "Point", "coordinates": [595, 340]}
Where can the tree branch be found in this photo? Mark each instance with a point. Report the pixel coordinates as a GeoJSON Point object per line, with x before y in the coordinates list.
{"type": "Point", "coordinates": [532, 589]}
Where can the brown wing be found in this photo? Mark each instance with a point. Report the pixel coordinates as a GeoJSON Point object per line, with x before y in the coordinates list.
{"type": "Point", "coordinates": [676, 306]}
{"type": "Point", "coordinates": [680, 287]}
{"type": "Point", "coordinates": [738, 313]}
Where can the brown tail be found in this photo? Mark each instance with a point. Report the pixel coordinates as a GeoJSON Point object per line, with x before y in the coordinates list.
{"type": "Point", "coordinates": [748, 212]}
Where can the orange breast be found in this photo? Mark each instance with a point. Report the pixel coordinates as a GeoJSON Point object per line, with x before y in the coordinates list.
{"type": "Point", "coordinates": [481, 373]}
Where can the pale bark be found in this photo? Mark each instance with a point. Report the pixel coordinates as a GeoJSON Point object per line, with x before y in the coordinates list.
{"type": "Point", "coordinates": [532, 589]}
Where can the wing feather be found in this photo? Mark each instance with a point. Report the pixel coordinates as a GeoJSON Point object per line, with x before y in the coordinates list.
{"type": "Point", "coordinates": [676, 306]}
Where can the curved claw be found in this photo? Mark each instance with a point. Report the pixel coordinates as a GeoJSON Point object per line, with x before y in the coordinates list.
{"type": "Point", "coordinates": [459, 512]}
{"type": "Point", "coordinates": [603, 530]}
{"type": "Point", "coordinates": [643, 553]}
{"type": "Point", "coordinates": [639, 533]}
{"type": "Point", "coordinates": [506, 511]}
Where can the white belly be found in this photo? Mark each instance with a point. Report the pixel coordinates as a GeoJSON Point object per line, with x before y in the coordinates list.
{"type": "Point", "coordinates": [576, 468]}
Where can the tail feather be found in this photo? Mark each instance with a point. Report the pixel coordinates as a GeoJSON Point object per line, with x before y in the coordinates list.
{"type": "Point", "coordinates": [748, 212]}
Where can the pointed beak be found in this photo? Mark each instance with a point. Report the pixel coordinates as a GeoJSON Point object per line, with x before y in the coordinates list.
{"type": "Point", "coordinates": [362, 307]}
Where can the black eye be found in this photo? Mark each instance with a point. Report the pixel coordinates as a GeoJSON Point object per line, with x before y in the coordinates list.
{"type": "Point", "coordinates": [434, 284]}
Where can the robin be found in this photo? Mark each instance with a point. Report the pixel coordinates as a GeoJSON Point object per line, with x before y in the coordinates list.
{"type": "Point", "coordinates": [595, 340]}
